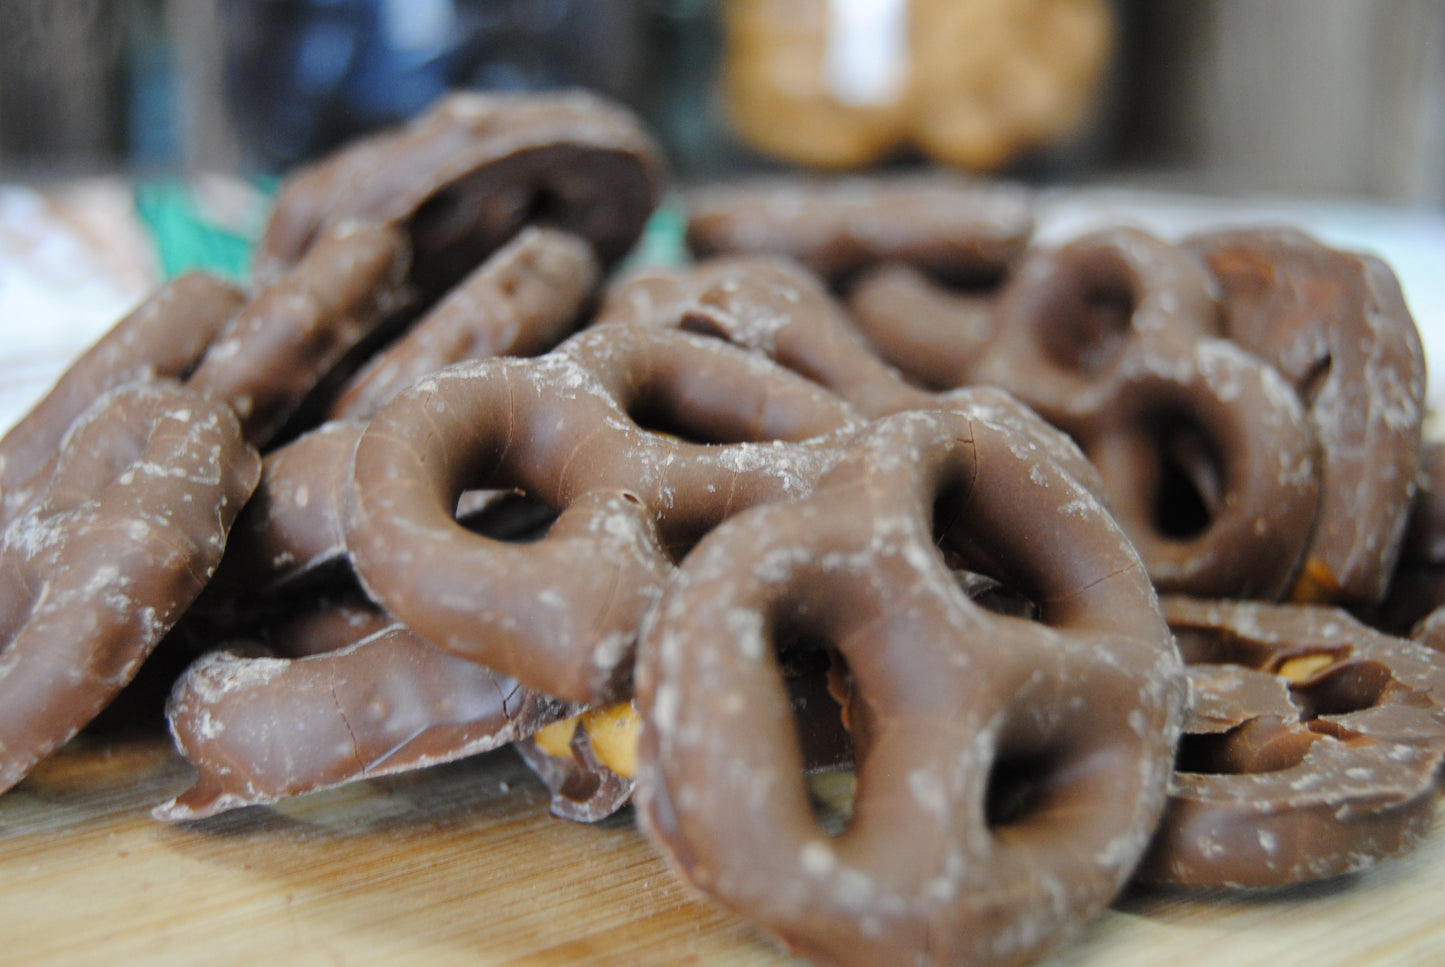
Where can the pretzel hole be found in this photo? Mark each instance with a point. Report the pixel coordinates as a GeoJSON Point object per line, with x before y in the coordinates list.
{"type": "Point", "coordinates": [1089, 325]}
{"type": "Point", "coordinates": [1259, 745]}
{"type": "Point", "coordinates": [511, 517]}
{"type": "Point", "coordinates": [706, 420]}
{"type": "Point", "coordinates": [1190, 487]}
{"type": "Point", "coordinates": [1018, 788]}
{"type": "Point", "coordinates": [1313, 381]}
{"type": "Point", "coordinates": [819, 686]}
{"type": "Point", "coordinates": [970, 572]}
{"type": "Point", "coordinates": [1346, 687]}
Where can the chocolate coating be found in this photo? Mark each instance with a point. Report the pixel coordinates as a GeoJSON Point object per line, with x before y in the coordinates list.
{"type": "Point", "coordinates": [292, 526]}
{"type": "Point", "coordinates": [467, 175]}
{"type": "Point", "coordinates": [1208, 456]}
{"type": "Point", "coordinates": [164, 337]}
{"type": "Point", "coordinates": [578, 429]}
{"type": "Point", "coordinates": [1417, 584]}
{"type": "Point", "coordinates": [950, 226]}
{"type": "Point", "coordinates": [931, 332]}
{"type": "Point", "coordinates": [1071, 719]}
{"type": "Point", "coordinates": [1314, 749]}
{"type": "Point", "coordinates": [1336, 324]}
{"type": "Point", "coordinates": [103, 562]}
{"type": "Point", "coordinates": [259, 729]}
{"type": "Point", "coordinates": [287, 339]}
{"type": "Point", "coordinates": [522, 301]}
{"type": "Point", "coordinates": [773, 305]}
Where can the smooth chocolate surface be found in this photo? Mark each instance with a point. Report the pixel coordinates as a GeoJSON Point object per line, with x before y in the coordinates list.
{"type": "Point", "coordinates": [947, 225]}
{"type": "Point", "coordinates": [259, 728]}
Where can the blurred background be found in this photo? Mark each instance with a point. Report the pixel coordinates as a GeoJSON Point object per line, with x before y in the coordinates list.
{"type": "Point", "coordinates": [140, 138]}
{"type": "Point", "coordinates": [1301, 97]}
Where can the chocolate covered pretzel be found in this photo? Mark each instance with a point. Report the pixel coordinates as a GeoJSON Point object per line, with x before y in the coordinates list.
{"type": "Point", "coordinates": [1208, 456]}
{"type": "Point", "coordinates": [99, 565]}
{"type": "Point", "coordinates": [260, 727]}
{"type": "Point", "coordinates": [522, 301]}
{"type": "Point", "coordinates": [773, 305]}
{"type": "Point", "coordinates": [285, 341]}
{"type": "Point", "coordinates": [1314, 749]}
{"type": "Point", "coordinates": [947, 225]}
{"type": "Point", "coordinates": [466, 176]}
{"type": "Point", "coordinates": [1336, 324]}
{"type": "Point", "coordinates": [769, 304]}
{"type": "Point", "coordinates": [1009, 772]}
{"type": "Point", "coordinates": [164, 337]}
{"type": "Point", "coordinates": [1417, 583]}
{"type": "Point", "coordinates": [603, 429]}
{"type": "Point", "coordinates": [930, 331]}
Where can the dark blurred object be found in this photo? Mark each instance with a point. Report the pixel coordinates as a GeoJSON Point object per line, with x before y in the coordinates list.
{"type": "Point", "coordinates": [303, 76]}
{"type": "Point", "coordinates": [62, 84]}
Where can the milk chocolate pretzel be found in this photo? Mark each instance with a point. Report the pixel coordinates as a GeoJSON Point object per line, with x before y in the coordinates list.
{"type": "Point", "coordinates": [773, 305]}
{"type": "Point", "coordinates": [1314, 750]}
{"type": "Point", "coordinates": [1208, 456]}
{"type": "Point", "coordinates": [949, 226]}
{"type": "Point", "coordinates": [161, 338]}
{"type": "Point", "coordinates": [930, 331]}
{"type": "Point", "coordinates": [592, 430]}
{"type": "Point", "coordinates": [285, 341]}
{"type": "Point", "coordinates": [998, 759]}
{"type": "Point", "coordinates": [1417, 584]}
{"type": "Point", "coordinates": [464, 177]}
{"type": "Point", "coordinates": [98, 566]}
{"type": "Point", "coordinates": [260, 727]}
{"type": "Point", "coordinates": [292, 526]}
{"type": "Point", "coordinates": [522, 301]}
{"type": "Point", "coordinates": [1336, 324]}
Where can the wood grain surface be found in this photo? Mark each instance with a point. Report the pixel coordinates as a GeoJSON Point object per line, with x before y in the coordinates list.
{"type": "Point", "coordinates": [462, 864]}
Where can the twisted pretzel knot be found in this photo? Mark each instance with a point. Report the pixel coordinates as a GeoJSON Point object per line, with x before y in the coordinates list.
{"type": "Point", "coordinates": [1207, 455]}
{"type": "Point", "coordinates": [562, 614]}
{"type": "Point", "coordinates": [947, 698]}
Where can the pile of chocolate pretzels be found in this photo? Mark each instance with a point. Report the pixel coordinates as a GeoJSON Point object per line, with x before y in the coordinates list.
{"type": "Point", "coordinates": [1103, 561]}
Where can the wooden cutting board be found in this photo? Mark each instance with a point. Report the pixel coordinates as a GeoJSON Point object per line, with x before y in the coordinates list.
{"type": "Point", "coordinates": [462, 864]}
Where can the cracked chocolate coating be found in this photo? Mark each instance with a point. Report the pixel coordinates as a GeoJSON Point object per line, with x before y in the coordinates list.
{"type": "Point", "coordinates": [591, 429]}
{"type": "Point", "coordinates": [1000, 760]}
{"type": "Point", "coordinates": [1336, 324]}
{"type": "Point", "coordinates": [102, 563]}
{"type": "Point", "coordinates": [466, 176]}
{"type": "Point", "coordinates": [1314, 749]}
{"type": "Point", "coordinates": [947, 225]}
